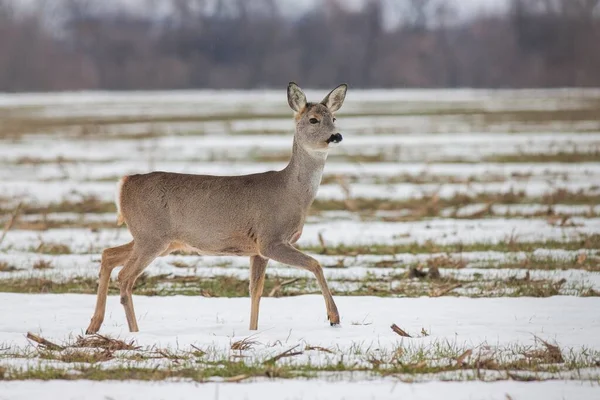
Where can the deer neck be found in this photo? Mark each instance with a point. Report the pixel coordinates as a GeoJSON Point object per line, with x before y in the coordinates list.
{"type": "Point", "coordinates": [304, 172]}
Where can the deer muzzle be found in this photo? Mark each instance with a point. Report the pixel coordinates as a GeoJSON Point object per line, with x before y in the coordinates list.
{"type": "Point", "coordinates": [335, 138]}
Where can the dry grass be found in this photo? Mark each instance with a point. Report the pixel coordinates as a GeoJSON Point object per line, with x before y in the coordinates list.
{"type": "Point", "coordinates": [53, 248]}
{"type": "Point", "coordinates": [182, 264]}
{"type": "Point", "coordinates": [400, 331]}
{"type": "Point", "coordinates": [98, 341]}
{"type": "Point", "coordinates": [27, 120]}
{"type": "Point", "coordinates": [81, 356]}
{"type": "Point", "coordinates": [286, 354]}
{"type": "Point", "coordinates": [244, 344]}
{"type": "Point", "coordinates": [591, 155]}
{"type": "Point", "coordinates": [414, 209]}
{"type": "Point", "coordinates": [510, 244]}
{"type": "Point", "coordinates": [407, 359]}
{"type": "Point", "coordinates": [44, 343]}
{"type": "Point", "coordinates": [431, 205]}
{"type": "Point", "coordinates": [275, 292]}
{"type": "Point", "coordinates": [414, 281]}
{"type": "Point", "coordinates": [42, 264]}
{"type": "Point", "coordinates": [549, 354]}
{"type": "Point", "coordinates": [10, 222]}
{"type": "Point", "coordinates": [99, 357]}
{"type": "Point", "coordinates": [7, 267]}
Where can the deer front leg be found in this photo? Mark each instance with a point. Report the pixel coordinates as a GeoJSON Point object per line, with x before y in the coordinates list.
{"type": "Point", "coordinates": [258, 267]}
{"type": "Point", "coordinates": [287, 254]}
{"type": "Point", "coordinates": [143, 254]}
{"type": "Point", "coordinates": [111, 258]}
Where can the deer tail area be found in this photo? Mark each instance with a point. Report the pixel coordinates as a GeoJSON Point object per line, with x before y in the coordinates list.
{"type": "Point", "coordinates": [120, 219]}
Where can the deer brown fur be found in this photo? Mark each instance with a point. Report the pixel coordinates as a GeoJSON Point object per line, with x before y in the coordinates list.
{"type": "Point", "coordinates": [259, 215]}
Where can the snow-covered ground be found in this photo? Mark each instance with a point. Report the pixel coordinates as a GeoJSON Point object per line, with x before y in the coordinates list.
{"type": "Point", "coordinates": [350, 233]}
{"type": "Point", "coordinates": [299, 390]}
{"type": "Point", "coordinates": [398, 146]}
{"type": "Point", "coordinates": [179, 321]}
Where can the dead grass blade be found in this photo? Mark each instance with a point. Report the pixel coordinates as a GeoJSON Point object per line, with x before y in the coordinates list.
{"type": "Point", "coordinates": [445, 261]}
{"type": "Point", "coordinates": [318, 348]}
{"type": "Point", "coordinates": [11, 221]}
{"type": "Point", "coordinates": [443, 291]}
{"type": "Point", "coordinates": [103, 342]}
{"type": "Point", "coordinates": [46, 344]}
{"type": "Point", "coordinates": [42, 264]}
{"type": "Point", "coordinates": [322, 243]}
{"type": "Point", "coordinates": [419, 365]}
{"type": "Point", "coordinates": [550, 354]}
{"type": "Point", "coordinates": [82, 356]}
{"type": "Point", "coordinates": [431, 207]}
{"type": "Point", "coordinates": [237, 378]}
{"type": "Point", "coordinates": [181, 264]}
{"type": "Point", "coordinates": [399, 331]}
{"type": "Point", "coordinates": [244, 344]}
{"type": "Point", "coordinates": [460, 360]}
{"type": "Point", "coordinates": [487, 210]}
{"type": "Point", "coordinates": [287, 353]}
{"type": "Point", "coordinates": [198, 352]}
{"type": "Point", "coordinates": [168, 355]}
{"type": "Point", "coordinates": [349, 202]}
{"type": "Point", "coordinates": [275, 291]}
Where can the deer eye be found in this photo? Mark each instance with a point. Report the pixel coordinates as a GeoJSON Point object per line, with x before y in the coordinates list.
{"type": "Point", "coordinates": [333, 119]}
{"type": "Point", "coordinates": [314, 121]}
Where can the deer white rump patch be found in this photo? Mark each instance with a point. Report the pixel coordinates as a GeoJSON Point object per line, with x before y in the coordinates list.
{"type": "Point", "coordinates": [118, 199]}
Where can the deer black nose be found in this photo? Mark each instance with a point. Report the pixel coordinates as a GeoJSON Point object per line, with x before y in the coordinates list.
{"type": "Point", "coordinates": [336, 138]}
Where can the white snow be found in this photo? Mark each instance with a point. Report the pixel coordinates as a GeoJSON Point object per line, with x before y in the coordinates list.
{"type": "Point", "coordinates": [178, 321]}
{"type": "Point", "coordinates": [57, 191]}
{"type": "Point", "coordinates": [224, 137]}
{"type": "Point", "coordinates": [386, 389]}
{"type": "Point", "coordinates": [441, 231]}
{"type": "Point", "coordinates": [354, 269]}
{"type": "Point", "coordinates": [400, 147]}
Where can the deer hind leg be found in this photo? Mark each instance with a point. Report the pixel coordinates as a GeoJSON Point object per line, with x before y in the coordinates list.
{"type": "Point", "coordinates": [111, 258]}
{"type": "Point", "coordinates": [141, 257]}
{"type": "Point", "coordinates": [287, 254]}
{"type": "Point", "coordinates": [258, 267]}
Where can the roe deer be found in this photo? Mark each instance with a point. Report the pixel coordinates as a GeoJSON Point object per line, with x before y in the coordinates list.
{"type": "Point", "coordinates": [258, 215]}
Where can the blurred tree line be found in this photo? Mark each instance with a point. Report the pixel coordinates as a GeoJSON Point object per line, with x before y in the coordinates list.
{"type": "Point", "coordinates": [81, 44]}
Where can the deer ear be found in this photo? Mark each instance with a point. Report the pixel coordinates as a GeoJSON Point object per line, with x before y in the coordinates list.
{"type": "Point", "coordinates": [335, 98]}
{"type": "Point", "coordinates": [296, 97]}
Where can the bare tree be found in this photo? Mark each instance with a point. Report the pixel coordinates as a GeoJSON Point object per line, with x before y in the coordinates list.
{"type": "Point", "coordinates": [84, 44]}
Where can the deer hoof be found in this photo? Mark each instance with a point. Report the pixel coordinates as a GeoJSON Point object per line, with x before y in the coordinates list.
{"type": "Point", "coordinates": [333, 319]}
{"type": "Point", "coordinates": [91, 331]}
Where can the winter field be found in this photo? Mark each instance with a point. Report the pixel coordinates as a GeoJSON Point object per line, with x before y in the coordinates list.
{"type": "Point", "coordinates": [470, 220]}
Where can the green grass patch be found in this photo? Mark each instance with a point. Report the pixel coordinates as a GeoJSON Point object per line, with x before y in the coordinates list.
{"type": "Point", "coordinates": [511, 244]}
{"type": "Point", "coordinates": [407, 359]}
{"type": "Point", "coordinates": [412, 282]}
